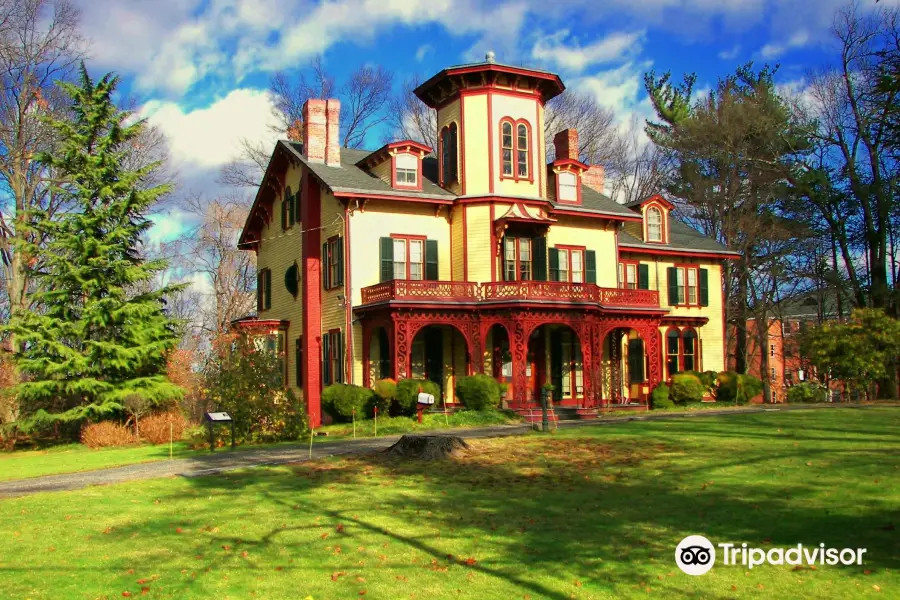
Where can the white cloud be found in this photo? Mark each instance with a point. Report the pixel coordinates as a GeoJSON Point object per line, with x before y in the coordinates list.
{"type": "Point", "coordinates": [207, 138]}
{"type": "Point", "coordinates": [798, 40]}
{"type": "Point", "coordinates": [552, 49]}
{"type": "Point", "coordinates": [619, 89]}
{"type": "Point", "coordinates": [423, 51]}
{"type": "Point", "coordinates": [167, 226]}
{"type": "Point", "coordinates": [730, 54]}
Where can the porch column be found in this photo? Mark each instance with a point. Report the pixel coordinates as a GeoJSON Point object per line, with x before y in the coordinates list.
{"type": "Point", "coordinates": [400, 347]}
{"type": "Point", "coordinates": [518, 345]}
{"type": "Point", "coordinates": [650, 333]}
{"type": "Point", "coordinates": [476, 347]}
{"type": "Point", "coordinates": [366, 350]}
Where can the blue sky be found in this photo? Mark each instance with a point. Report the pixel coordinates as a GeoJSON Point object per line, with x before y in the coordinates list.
{"type": "Point", "coordinates": [200, 68]}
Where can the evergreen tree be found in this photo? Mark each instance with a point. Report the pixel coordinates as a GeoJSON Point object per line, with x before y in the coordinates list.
{"type": "Point", "coordinates": [101, 333]}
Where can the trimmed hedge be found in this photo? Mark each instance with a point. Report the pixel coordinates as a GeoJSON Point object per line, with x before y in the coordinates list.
{"type": "Point", "coordinates": [659, 398]}
{"type": "Point", "coordinates": [340, 400]}
{"type": "Point", "coordinates": [737, 388]}
{"type": "Point", "coordinates": [385, 394]}
{"type": "Point", "coordinates": [686, 388]}
{"type": "Point", "coordinates": [478, 392]}
{"type": "Point", "coordinates": [408, 393]}
{"type": "Point", "coordinates": [806, 392]}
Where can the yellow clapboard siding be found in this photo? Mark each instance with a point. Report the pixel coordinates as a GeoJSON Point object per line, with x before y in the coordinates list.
{"type": "Point", "coordinates": [594, 234]}
{"type": "Point", "coordinates": [476, 144]}
{"type": "Point", "coordinates": [478, 239]}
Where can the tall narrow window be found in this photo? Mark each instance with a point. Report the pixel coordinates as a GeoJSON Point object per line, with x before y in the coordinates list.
{"type": "Point", "coordinates": [522, 150]}
{"type": "Point", "coordinates": [509, 258]}
{"type": "Point", "coordinates": [449, 156]}
{"type": "Point", "coordinates": [679, 282]}
{"type": "Point", "coordinates": [399, 259]}
{"type": "Point", "coordinates": [577, 266]}
{"type": "Point", "coordinates": [692, 286]}
{"type": "Point", "coordinates": [673, 347]}
{"type": "Point", "coordinates": [416, 260]}
{"type": "Point", "coordinates": [518, 260]}
{"type": "Point", "coordinates": [689, 346]}
{"type": "Point", "coordinates": [563, 265]}
{"type": "Point", "coordinates": [654, 224]}
{"type": "Point", "coordinates": [525, 259]}
{"type": "Point", "coordinates": [506, 143]}
{"type": "Point", "coordinates": [333, 263]}
{"type": "Point", "coordinates": [568, 187]}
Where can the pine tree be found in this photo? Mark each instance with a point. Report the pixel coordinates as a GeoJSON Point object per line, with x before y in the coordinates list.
{"type": "Point", "coordinates": [101, 333]}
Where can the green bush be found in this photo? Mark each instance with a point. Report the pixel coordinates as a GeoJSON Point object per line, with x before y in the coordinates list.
{"type": "Point", "coordinates": [408, 393]}
{"type": "Point", "coordinates": [385, 395]}
{"type": "Point", "coordinates": [341, 400]}
{"type": "Point", "coordinates": [478, 392]}
{"type": "Point", "coordinates": [686, 388]}
{"type": "Point", "coordinates": [659, 398]}
{"type": "Point", "coordinates": [737, 388]}
{"type": "Point", "coordinates": [806, 392]}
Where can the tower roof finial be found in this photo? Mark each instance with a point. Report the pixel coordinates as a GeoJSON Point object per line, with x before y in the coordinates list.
{"type": "Point", "coordinates": [490, 57]}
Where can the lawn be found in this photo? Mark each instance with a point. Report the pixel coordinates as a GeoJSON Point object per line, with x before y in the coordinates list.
{"type": "Point", "coordinates": [71, 458]}
{"type": "Point", "coordinates": [591, 512]}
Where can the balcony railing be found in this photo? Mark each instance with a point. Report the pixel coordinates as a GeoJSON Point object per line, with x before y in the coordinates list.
{"type": "Point", "coordinates": [498, 291]}
{"type": "Point", "coordinates": [404, 289]}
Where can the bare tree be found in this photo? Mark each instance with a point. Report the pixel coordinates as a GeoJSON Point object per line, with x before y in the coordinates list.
{"type": "Point", "coordinates": [636, 168]}
{"type": "Point", "coordinates": [246, 170]}
{"type": "Point", "coordinates": [39, 44]}
{"type": "Point", "coordinates": [411, 119]}
{"type": "Point", "coordinates": [596, 125]}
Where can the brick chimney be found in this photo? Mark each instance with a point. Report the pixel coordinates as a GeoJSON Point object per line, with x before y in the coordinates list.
{"type": "Point", "coordinates": [594, 178]}
{"type": "Point", "coordinates": [314, 130]}
{"type": "Point", "coordinates": [333, 132]}
{"type": "Point", "coordinates": [566, 144]}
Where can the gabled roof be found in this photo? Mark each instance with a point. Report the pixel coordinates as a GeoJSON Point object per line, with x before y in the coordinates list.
{"type": "Point", "coordinates": [656, 197]}
{"type": "Point", "coordinates": [682, 238]}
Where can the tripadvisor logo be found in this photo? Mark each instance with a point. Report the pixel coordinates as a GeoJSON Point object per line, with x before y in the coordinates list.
{"type": "Point", "coordinates": [696, 555]}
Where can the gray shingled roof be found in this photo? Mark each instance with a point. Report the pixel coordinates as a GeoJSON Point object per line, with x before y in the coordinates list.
{"type": "Point", "coordinates": [594, 201]}
{"type": "Point", "coordinates": [352, 179]}
{"type": "Point", "coordinates": [681, 237]}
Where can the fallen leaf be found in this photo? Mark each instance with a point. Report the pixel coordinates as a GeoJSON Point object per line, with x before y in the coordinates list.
{"type": "Point", "coordinates": [402, 578]}
{"type": "Point", "coordinates": [336, 574]}
{"type": "Point", "coordinates": [324, 535]}
{"type": "Point", "coordinates": [126, 594]}
{"type": "Point", "coordinates": [339, 529]}
{"type": "Point", "coordinates": [734, 588]}
{"type": "Point", "coordinates": [876, 588]}
{"type": "Point", "coordinates": [178, 530]}
{"type": "Point", "coordinates": [867, 572]}
{"type": "Point", "coordinates": [362, 592]}
{"type": "Point", "coordinates": [145, 590]}
{"type": "Point", "coordinates": [470, 561]}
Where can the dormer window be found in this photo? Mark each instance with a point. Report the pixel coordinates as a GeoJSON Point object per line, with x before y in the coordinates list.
{"type": "Point", "coordinates": [567, 190]}
{"type": "Point", "coordinates": [407, 170]}
{"type": "Point", "coordinates": [654, 225]}
{"type": "Point", "coordinates": [515, 149]}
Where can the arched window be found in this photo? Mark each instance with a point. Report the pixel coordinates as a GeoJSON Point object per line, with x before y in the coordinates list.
{"type": "Point", "coordinates": [654, 225]}
{"type": "Point", "coordinates": [506, 143]}
{"type": "Point", "coordinates": [689, 349]}
{"type": "Point", "coordinates": [449, 155]}
{"type": "Point", "coordinates": [522, 149]}
{"type": "Point", "coordinates": [673, 349]}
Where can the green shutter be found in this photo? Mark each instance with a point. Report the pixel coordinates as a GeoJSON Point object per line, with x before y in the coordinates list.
{"type": "Point", "coordinates": [431, 260]}
{"type": "Point", "coordinates": [387, 259]}
{"type": "Point", "coordinates": [590, 266]}
{"type": "Point", "coordinates": [339, 345]}
{"type": "Point", "coordinates": [298, 358]}
{"type": "Point", "coordinates": [643, 277]}
{"type": "Point", "coordinates": [260, 288]}
{"type": "Point", "coordinates": [326, 284]}
{"type": "Point", "coordinates": [704, 287]}
{"type": "Point", "coordinates": [292, 215]}
{"type": "Point", "coordinates": [339, 250]}
{"type": "Point", "coordinates": [284, 214]}
{"type": "Point", "coordinates": [290, 280]}
{"type": "Point", "coordinates": [539, 251]}
{"type": "Point", "coordinates": [673, 286]}
{"type": "Point", "coordinates": [554, 264]}
{"type": "Point", "coordinates": [636, 360]}
{"type": "Point", "coordinates": [326, 359]}
{"type": "Point", "coordinates": [268, 293]}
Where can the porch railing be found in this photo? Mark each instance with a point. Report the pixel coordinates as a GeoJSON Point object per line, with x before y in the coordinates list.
{"type": "Point", "coordinates": [404, 289]}
{"type": "Point", "coordinates": [463, 291]}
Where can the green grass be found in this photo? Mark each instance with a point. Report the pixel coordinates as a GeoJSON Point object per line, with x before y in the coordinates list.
{"type": "Point", "coordinates": [72, 458]}
{"type": "Point", "coordinates": [592, 512]}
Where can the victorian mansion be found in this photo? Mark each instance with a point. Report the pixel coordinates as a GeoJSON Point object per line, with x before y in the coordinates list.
{"type": "Point", "coordinates": [476, 256]}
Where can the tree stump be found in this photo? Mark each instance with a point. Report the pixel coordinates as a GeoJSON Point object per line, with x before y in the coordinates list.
{"type": "Point", "coordinates": [429, 447]}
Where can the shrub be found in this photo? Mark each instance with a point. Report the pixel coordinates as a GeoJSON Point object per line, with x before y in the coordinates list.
{"type": "Point", "coordinates": [247, 383]}
{"type": "Point", "coordinates": [155, 428]}
{"type": "Point", "coordinates": [478, 392]}
{"type": "Point", "coordinates": [659, 398]}
{"type": "Point", "coordinates": [686, 388]}
{"type": "Point", "coordinates": [806, 392]}
{"type": "Point", "coordinates": [385, 395]}
{"type": "Point", "coordinates": [707, 378]}
{"type": "Point", "coordinates": [340, 400]}
{"type": "Point", "coordinates": [737, 388]}
{"type": "Point", "coordinates": [408, 393]}
{"type": "Point", "coordinates": [106, 434]}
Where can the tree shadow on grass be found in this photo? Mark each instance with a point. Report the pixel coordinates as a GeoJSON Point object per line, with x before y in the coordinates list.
{"type": "Point", "coordinates": [546, 514]}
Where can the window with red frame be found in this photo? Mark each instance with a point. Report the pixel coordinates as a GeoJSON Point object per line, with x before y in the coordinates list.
{"type": "Point", "coordinates": [567, 187]}
{"type": "Point", "coordinates": [684, 286]}
{"type": "Point", "coordinates": [515, 148]}
{"type": "Point", "coordinates": [628, 275]}
{"type": "Point", "coordinates": [332, 357]}
{"type": "Point", "coordinates": [407, 170]}
{"type": "Point", "coordinates": [654, 225]}
{"type": "Point", "coordinates": [333, 261]}
{"type": "Point", "coordinates": [449, 155]}
{"type": "Point", "coordinates": [567, 264]}
{"type": "Point", "coordinates": [682, 350]}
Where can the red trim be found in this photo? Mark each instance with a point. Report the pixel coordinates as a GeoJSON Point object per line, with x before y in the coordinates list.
{"type": "Point", "coordinates": [490, 118]}
{"type": "Point", "coordinates": [687, 267]}
{"type": "Point", "coordinates": [625, 263]}
{"type": "Point", "coordinates": [462, 146]}
{"type": "Point", "coordinates": [465, 246]}
{"type": "Point", "coordinates": [348, 291]}
{"type": "Point", "coordinates": [671, 252]}
{"type": "Point", "coordinates": [515, 150]}
{"type": "Point", "coordinates": [440, 153]}
{"type": "Point", "coordinates": [663, 223]}
{"type": "Point", "coordinates": [581, 249]}
{"type": "Point", "coordinates": [311, 217]}
{"type": "Point", "coordinates": [541, 150]}
{"type": "Point", "coordinates": [407, 239]}
{"type": "Point", "coordinates": [658, 199]}
{"type": "Point", "coordinates": [380, 196]}
{"type": "Point", "coordinates": [419, 176]}
{"type": "Point", "coordinates": [493, 249]}
{"type": "Point", "coordinates": [492, 88]}
{"type": "Point", "coordinates": [518, 260]}
{"type": "Point", "coordinates": [578, 185]}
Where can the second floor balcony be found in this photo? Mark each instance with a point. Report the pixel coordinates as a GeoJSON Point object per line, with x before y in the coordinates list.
{"type": "Point", "coordinates": [499, 292]}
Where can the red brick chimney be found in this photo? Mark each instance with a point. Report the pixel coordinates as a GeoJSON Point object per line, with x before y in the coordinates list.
{"type": "Point", "coordinates": [333, 132]}
{"type": "Point", "coordinates": [314, 135]}
{"type": "Point", "coordinates": [566, 144]}
{"type": "Point", "coordinates": [594, 178]}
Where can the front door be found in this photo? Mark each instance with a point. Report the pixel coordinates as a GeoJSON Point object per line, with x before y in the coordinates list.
{"type": "Point", "coordinates": [534, 366]}
{"type": "Point", "coordinates": [434, 356]}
